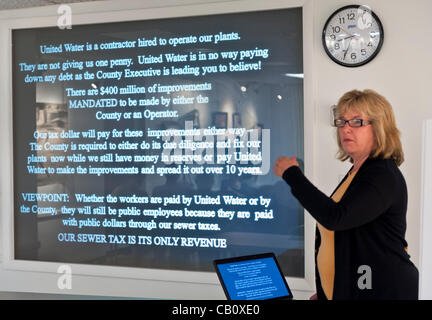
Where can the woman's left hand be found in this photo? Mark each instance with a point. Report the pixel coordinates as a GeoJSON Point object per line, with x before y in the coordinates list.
{"type": "Point", "coordinates": [283, 163]}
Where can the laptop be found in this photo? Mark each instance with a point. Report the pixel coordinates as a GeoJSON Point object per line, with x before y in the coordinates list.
{"type": "Point", "coordinates": [253, 277]}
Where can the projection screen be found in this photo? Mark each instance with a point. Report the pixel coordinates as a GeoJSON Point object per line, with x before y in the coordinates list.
{"type": "Point", "coordinates": [149, 144]}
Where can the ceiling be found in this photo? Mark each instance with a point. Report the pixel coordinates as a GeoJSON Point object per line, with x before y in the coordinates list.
{"type": "Point", "coordinates": [19, 4]}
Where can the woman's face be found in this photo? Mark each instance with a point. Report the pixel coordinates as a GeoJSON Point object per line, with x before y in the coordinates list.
{"type": "Point", "coordinates": [357, 142]}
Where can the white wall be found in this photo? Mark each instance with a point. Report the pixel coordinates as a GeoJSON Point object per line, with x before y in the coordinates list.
{"type": "Point", "coordinates": [402, 72]}
{"type": "Point", "coordinates": [426, 218]}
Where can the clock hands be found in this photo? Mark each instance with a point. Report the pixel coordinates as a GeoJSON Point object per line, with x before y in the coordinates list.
{"type": "Point", "coordinates": [346, 38]}
{"type": "Point", "coordinates": [351, 35]}
{"type": "Point", "coordinates": [346, 51]}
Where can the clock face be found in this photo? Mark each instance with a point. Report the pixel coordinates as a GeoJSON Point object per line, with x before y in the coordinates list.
{"type": "Point", "coordinates": [353, 36]}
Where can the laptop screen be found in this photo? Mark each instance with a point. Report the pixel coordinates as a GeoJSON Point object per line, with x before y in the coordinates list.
{"type": "Point", "coordinates": [256, 277]}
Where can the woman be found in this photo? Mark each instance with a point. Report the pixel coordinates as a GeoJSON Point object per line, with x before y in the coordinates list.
{"type": "Point", "coordinates": [361, 247]}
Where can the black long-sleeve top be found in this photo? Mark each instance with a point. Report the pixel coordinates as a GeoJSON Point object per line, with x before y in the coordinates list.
{"type": "Point", "coordinates": [369, 221]}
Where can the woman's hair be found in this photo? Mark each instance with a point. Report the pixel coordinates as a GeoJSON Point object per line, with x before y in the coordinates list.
{"type": "Point", "coordinates": [379, 111]}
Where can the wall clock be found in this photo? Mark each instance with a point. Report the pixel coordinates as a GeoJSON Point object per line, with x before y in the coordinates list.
{"type": "Point", "coordinates": [353, 35]}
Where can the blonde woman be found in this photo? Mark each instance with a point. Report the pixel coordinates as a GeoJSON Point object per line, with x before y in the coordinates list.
{"type": "Point", "coordinates": [361, 251]}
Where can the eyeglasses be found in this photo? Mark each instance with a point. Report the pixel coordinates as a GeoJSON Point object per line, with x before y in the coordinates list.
{"type": "Point", "coordinates": [353, 123]}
